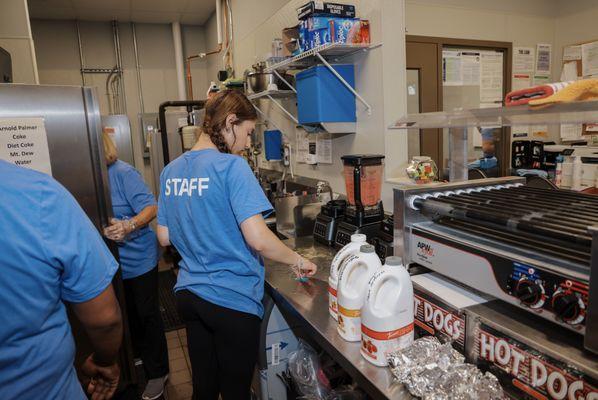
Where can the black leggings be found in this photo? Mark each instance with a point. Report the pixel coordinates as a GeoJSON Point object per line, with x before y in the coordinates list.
{"type": "Point", "coordinates": [223, 348]}
{"type": "Point", "coordinates": [145, 322]}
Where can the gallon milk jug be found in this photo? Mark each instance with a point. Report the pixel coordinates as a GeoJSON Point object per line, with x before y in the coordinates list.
{"type": "Point", "coordinates": [387, 313]}
{"type": "Point", "coordinates": [353, 281]}
{"type": "Point", "coordinates": [338, 262]}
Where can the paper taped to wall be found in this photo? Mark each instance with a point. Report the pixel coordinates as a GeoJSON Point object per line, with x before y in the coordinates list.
{"type": "Point", "coordinates": [572, 53]}
{"type": "Point", "coordinates": [523, 59]}
{"type": "Point", "coordinates": [491, 73]}
{"type": "Point", "coordinates": [543, 59]}
{"type": "Point", "coordinates": [589, 59]}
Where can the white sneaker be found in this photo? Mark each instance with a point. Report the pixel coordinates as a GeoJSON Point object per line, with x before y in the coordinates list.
{"type": "Point", "coordinates": [154, 388]}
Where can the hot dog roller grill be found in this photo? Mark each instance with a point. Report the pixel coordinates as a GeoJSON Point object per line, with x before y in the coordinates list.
{"type": "Point", "coordinates": [534, 248]}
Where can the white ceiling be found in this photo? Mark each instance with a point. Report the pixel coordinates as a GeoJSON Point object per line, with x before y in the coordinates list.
{"type": "Point", "coordinates": [194, 12]}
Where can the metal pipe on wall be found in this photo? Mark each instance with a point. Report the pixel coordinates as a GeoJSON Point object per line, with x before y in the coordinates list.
{"type": "Point", "coordinates": [81, 62]}
{"type": "Point", "coordinates": [178, 58]}
{"type": "Point", "coordinates": [138, 69]}
{"type": "Point", "coordinates": [119, 61]}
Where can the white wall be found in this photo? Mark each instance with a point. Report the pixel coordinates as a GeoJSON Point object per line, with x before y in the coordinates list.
{"type": "Point", "coordinates": [576, 23]}
{"type": "Point", "coordinates": [15, 37]}
{"type": "Point", "coordinates": [213, 62]}
{"type": "Point", "coordinates": [58, 60]}
{"type": "Point", "coordinates": [379, 79]}
{"type": "Point", "coordinates": [524, 23]}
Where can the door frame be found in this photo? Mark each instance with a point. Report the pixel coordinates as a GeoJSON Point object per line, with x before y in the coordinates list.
{"type": "Point", "coordinates": [505, 47]}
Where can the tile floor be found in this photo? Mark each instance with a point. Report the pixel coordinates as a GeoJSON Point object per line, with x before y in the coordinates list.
{"type": "Point", "coordinates": [179, 384]}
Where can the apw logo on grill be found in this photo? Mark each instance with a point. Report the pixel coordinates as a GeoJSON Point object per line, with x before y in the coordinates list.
{"type": "Point", "coordinates": [425, 249]}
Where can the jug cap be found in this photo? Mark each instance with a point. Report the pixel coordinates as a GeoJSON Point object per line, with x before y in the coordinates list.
{"type": "Point", "coordinates": [367, 248]}
{"type": "Point", "coordinates": [394, 261]}
{"type": "Point", "coordinates": [358, 237]}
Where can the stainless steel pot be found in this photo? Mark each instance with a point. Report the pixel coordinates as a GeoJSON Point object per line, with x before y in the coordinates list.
{"type": "Point", "coordinates": [256, 80]}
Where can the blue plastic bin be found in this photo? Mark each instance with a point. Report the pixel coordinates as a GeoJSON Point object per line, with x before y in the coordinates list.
{"type": "Point", "coordinates": [322, 97]}
{"type": "Point", "coordinates": [273, 145]}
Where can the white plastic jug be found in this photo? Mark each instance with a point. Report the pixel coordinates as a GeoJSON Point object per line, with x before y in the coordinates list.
{"type": "Point", "coordinates": [387, 313]}
{"type": "Point", "coordinates": [352, 288]}
{"type": "Point", "coordinates": [338, 263]}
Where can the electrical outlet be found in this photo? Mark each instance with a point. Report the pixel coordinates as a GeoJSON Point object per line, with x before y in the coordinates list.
{"type": "Point", "coordinates": [286, 156]}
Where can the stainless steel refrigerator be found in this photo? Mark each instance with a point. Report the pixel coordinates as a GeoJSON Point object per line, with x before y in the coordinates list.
{"type": "Point", "coordinates": [72, 123]}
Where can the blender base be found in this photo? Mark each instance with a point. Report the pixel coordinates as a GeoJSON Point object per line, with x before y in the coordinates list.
{"type": "Point", "coordinates": [345, 230]}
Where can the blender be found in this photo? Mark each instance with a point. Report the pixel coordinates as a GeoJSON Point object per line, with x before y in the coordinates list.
{"type": "Point", "coordinates": [363, 182]}
{"type": "Point", "coordinates": [327, 221]}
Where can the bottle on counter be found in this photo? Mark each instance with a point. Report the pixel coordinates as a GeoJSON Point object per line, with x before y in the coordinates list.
{"type": "Point", "coordinates": [352, 288]}
{"type": "Point", "coordinates": [350, 249]}
{"type": "Point", "coordinates": [577, 170]}
{"type": "Point", "coordinates": [387, 313]}
{"type": "Point", "coordinates": [558, 175]}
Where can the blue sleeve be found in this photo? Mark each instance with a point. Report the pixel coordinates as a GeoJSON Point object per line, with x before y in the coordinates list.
{"type": "Point", "coordinates": [161, 206]}
{"type": "Point", "coordinates": [136, 191]}
{"type": "Point", "coordinates": [75, 246]}
{"type": "Point", "coordinates": [245, 194]}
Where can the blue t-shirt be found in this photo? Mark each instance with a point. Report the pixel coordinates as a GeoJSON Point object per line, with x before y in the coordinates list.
{"type": "Point", "coordinates": [205, 195]}
{"type": "Point", "coordinates": [51, 253]}
{"type": "Point", "coordinates": [139, 252]}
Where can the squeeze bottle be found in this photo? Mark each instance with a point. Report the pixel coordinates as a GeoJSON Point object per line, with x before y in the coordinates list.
{"type": "Point", "coordinates": [352, 288]}
{"type": "Point", "coordinates": [338, 262]}
{"type": "Point", "coordinates": [387, 313]}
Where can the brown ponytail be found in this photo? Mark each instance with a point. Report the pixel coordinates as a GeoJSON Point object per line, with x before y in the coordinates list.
{"type": "Point", "coordinates": [219, 107]}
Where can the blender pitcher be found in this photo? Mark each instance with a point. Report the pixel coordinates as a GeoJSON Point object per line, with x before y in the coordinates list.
{"type": "Point", "coordinates": [363, 179]}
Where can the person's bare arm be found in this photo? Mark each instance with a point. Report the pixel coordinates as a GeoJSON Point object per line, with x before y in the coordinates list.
{"type": "Point", "coordinates": [264, 241]}
{"type": "Point", "coordinates": [101, 318]}
{"type": "Point", "coordinates": [119, 229]}
{"type": "Point", "coordinates": [163, 236]}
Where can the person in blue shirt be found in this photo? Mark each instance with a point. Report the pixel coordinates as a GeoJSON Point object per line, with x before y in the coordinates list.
{"type": "Point", "coordinates": [211, 208]}
{"type": "Point", "coordinates": [134, 207]}
{"type": "Point", "coordinates": [52, 255]}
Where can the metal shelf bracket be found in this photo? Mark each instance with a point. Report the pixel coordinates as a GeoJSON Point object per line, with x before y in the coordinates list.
{"type": "Point", "coordinates": [344, 82]}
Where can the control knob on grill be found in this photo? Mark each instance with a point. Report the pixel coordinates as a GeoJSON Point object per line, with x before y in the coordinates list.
{"type": "Point", "coordinates": [530, 293]}
{"type": "Point", "coordinates": [569, 307]}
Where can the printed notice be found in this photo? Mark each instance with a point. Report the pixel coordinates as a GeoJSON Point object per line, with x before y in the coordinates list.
{"type": "Point", "coordinates": [521, 81]}
{"type": "Point", "coordinates": [23, 142]}
{"type": "Point", "coordinates": [572, 53]}
{"type": "Point", "coordinates": [523, 59]}
{"type": "Point", "coordinates": [324, 148]}
{"type": "Point", "coordinates": [543, 56]}
{"type": "Point", "coordinates": [452, 74]}
{"type": "Point", "coordinates": [589, 59]}
{"type": "Point", "coordinates": [491, 72]}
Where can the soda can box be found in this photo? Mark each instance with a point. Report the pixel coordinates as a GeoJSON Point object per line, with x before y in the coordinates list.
{"type": "Point", "coordinates": [313, 8]}
{"type": "Point", "coordinates": [532, 358]}
{"type": "Point", "coordinates": [439, 308]}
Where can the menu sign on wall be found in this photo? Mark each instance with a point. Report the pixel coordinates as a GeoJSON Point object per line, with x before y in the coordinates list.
{"type": "Point", "coordinates": [23, 142]}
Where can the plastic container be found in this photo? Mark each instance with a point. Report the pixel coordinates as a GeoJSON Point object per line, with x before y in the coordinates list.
{"type": "Point", "coordinates": [338, 262]}
{"type": "Point", "coordinates": [370, 169]}
{"type": "Point", "coordinates": [352, 288]}
{"type": "Point", "coordinates": [322, 97]}
{"type": "Point", "coordinates": [577, 170]}
{"type": "Point", "coordinates": [422, 169]}
{"type": "Point", "coordinates": [387, 313]}
{"type": "Point", "coordinates": [371, 184]}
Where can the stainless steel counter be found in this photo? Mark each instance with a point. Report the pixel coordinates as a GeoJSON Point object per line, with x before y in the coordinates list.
{"type": "Point", "coordinates": [308, 304]}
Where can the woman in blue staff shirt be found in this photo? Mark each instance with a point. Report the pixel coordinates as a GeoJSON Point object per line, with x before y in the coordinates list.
{"type": "Point", "coordinates": [134, 207]}
{"type": "Point", "coordinates": [52, 256]}
{"type": "Point", "coordinates": [211, 208]}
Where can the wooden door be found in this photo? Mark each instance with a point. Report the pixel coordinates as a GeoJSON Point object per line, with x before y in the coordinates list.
{"type": "Point", "coordinates": [422, 58]}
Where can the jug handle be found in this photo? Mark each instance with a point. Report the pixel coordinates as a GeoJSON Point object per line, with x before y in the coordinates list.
{"type": "Point", "coordinates": [376, 288]}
